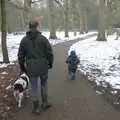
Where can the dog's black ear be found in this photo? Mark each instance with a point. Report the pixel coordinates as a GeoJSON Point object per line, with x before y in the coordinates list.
{"type": "Point", "coordinates": [18, 87]}
{"type": "Point", "coordinates": [26, 79]}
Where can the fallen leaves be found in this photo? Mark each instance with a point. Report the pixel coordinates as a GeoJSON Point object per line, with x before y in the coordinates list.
{"type": "Point", "coordinates": [8, 107]}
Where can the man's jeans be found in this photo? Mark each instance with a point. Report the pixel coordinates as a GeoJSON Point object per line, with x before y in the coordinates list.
{"type": "Point", "coordinates": [39, 87]}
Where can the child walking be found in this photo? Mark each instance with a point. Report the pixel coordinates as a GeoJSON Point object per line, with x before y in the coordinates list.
{"type": "Point", "coordinates": [72, 62]}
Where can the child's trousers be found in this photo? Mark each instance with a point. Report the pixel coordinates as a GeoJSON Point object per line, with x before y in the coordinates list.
{"type": "Point", "coordinates": [72, 74]}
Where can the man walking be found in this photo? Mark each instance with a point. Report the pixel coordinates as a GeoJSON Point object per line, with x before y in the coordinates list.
{"type": "Point", "coordinates": [35, 58]}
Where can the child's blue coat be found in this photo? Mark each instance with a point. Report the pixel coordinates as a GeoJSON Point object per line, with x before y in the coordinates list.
{"type": "Point", "coordinates": [72, 61]}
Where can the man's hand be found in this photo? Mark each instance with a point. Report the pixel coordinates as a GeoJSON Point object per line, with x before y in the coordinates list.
{"type": "Point", "coordinates": [50, 66]}
{"type": "Point", "coordinates": [22, 69]}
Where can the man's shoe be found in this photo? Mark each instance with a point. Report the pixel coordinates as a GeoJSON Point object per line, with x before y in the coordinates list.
{"type": "Point", "coordinates": [38, 111]}
{"type": "Point", "coordinates": [36, 108]}
{"type": "Point", "coordinates": [46, 106]}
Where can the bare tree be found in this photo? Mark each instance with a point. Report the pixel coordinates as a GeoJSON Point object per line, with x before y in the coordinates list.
{"type": "Point", "coordinates": [85, 20]}
{"type": "Point", "coordinates": [73, 13]}
{"type": "Point", "coordinates": [27, 6]}
{"type": "Point", "coordinates": [65, 8]}
{"type": "Point", "coordinates": [102, 20]}
{"type": "Point", "coordinates": [51, 19]}
{"type": "Point", "coordinates": [4, 32]}
{"type": "Point", "coordinates": [81, 19]}
{"type": "Point", "coordinates": [66, 18]}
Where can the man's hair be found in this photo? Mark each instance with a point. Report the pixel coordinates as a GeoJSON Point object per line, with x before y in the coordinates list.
{"type": "Point", "coordinates": [33, 24]}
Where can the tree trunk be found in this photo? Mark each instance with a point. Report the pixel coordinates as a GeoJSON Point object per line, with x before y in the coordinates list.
{"type": "Point", "coordinates": [27, 6]}
{"type": "Point", "coordinates": [110, 18]}
{"type": "Point", "coordinates": [102, 20]}
{"type": "Point", "coordinates": [74, 23]}
{"type": "Point", "coordinates": [51, 19]}
{"type": "Point", "coordinates": [85, 21]}
{"type": "Point", "coordinates": [81, 21]}
{"type": "Point", "coordinates": [66, 18]}
{"type": "Point", "coordinates": [4, 33]}
{"type": "Point", "coordinates": [74, 17]}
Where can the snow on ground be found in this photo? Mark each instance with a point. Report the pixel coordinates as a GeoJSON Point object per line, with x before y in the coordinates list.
{"type": "Point", "coordinates": [13, 42]}
{"type": "Point", "coordinates": [60, 36]}
{"type": "Point", "coordinates": [100, 60]}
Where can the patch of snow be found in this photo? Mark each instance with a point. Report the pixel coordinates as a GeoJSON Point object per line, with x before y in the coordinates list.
{"type": "Point", "coordinates": [99, 93]}
{"type": "Point", "coordinates": [4, 73]}
{"type": "Point", "coordinates": [9, 87]}
{"type": "Point", "coordinates": [100, 60]}
{"type": "Point", "coordinates": [3, 65]}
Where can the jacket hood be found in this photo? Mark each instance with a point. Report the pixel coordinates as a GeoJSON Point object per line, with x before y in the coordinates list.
{"type": "Point", "coordinates": [72, 53]}
{"type": "Point", "coordinates": [32, 34]}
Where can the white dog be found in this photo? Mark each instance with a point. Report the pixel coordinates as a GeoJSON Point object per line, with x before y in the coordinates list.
{"type": "Point", "coordinates": [20, 87]}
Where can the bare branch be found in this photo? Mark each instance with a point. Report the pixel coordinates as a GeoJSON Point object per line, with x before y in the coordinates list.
{"type": "Point", "coordinates": [17, 6]}
{"type": "Point", "coordinates": [59, 3]}
{"type": "Point", "coordinates": [36, 1]}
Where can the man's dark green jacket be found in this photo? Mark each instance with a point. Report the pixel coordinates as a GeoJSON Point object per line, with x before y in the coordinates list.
{"type": "Point", "coordinates": [35, 54]}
